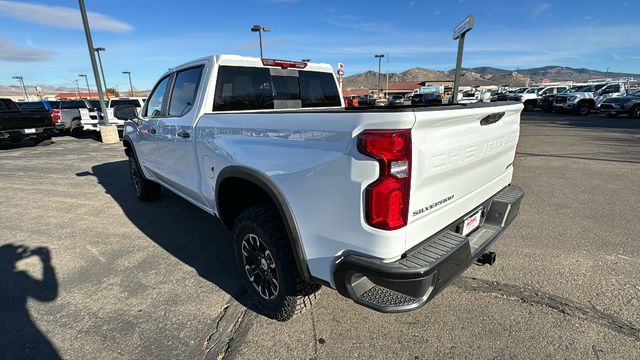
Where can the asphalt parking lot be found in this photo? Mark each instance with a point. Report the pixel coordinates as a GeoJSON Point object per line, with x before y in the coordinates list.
{"type": "Point", "coordinates": [106, 276]}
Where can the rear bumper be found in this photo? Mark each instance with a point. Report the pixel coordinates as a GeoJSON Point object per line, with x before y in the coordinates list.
{"type": "Point", "coordinates": [429, 267]}
{"type": "Point", "coordinates": [23, 134]}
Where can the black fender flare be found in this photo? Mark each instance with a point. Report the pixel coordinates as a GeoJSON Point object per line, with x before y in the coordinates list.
{"type": "Point", "coordinates": [281, 204]}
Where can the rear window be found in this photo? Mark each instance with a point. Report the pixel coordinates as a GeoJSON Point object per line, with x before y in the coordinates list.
{"type": "Point", "coordinates": [54, 104]}
{"type": "Point", "coordinates": [94, 104]}
{"type": "Point", "coordinates": [250, 88]}
{"type": "Point", "coordinates": [74, 104]}
{"type": "Point", "coordinates": [39, 105]}
{"type": "Point", "coordinates": [129, 102]}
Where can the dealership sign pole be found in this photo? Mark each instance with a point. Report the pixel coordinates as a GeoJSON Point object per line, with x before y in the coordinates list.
{"type": "Point", "coordinates": [340, 74]}
{"type": "Point", "coordinates": [459, 33]}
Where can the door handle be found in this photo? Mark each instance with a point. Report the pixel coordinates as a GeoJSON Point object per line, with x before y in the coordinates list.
{"type": "Point", "coordinates": [152, 131]}
{"type": "Point", "coordinates": [184, 134]}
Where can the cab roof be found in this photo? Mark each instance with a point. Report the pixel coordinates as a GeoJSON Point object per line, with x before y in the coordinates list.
{"type": "Point", "coordinates": [237, 60]}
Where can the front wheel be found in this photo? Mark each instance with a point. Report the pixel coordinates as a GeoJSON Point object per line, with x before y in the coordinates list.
{"type": "Point", "coordinates": [146, 190]}
{"type": "Point", "coordinates": [635, 112]}
{"type": "Point", "coordinates": [583, 109]}
{"type": "Point", "coordinates": [529, 106]}
{"type": "Point", "coordinates": [267, 266]}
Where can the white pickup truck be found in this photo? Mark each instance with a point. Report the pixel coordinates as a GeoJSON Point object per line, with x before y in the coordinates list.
{"type": "Point", "coordinates": [387, 205]}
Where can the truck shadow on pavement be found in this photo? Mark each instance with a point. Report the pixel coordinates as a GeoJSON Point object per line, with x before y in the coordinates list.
{"type": "Point", "coordinates": [20, 338]}
{"type": "Point", "coordinates": [182, 229]}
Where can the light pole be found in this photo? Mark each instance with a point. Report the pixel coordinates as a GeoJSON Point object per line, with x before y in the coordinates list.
{"type": "Point", "coordinates": [24, 89]}
{"type": "Point", "coordinates": [87, 80]}
{"type": "Point", "coordinates": [386, 88]}
{"type": "Point", "coordinates": [606, 75]}
{"type": "Point", "coordinates": [130, 83]}
{"type": "Point", "coordinates": [106, 89]}
{"type": "Point", "coordinates": [259, 29]}
{"type": "Point", "coordinates": [96, 76]}
{"type": "Point", "coordinates": [379, 56]}
{"type": "Point", "coordinates": [77, 89]}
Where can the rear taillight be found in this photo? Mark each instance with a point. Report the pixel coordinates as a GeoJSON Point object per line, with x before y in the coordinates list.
{"type": "Point", "coordinates": [387, 198]}
{"type": "Point", "coordinates": [55, 115]}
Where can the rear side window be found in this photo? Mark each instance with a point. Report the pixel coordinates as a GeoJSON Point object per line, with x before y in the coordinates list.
{"type": "Point", "coordinates": [33, 106]}
{"type": "Point", "coordinates": [54, 104]}
{"type": "Point", "coordinates": [243, 88]}
{"type": "Point", "coordinates": [249, 88]}
{"type": "Point", "coordinates": [121, 102]}
{"type": "Point", "coordinates": [3, 107]}
{"type": "Point", "coordinates": [318, 89]}
{"type": "Point", "coordinates": [184, 91]}
{"type": "Point", "coordinates": [73, 105]}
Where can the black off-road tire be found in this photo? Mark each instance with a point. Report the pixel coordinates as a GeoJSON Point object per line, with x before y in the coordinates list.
{"type": "Point", "coordinates": [583, 109]}
{"type": "Point", "coordinates": [75, 129]}
{"type": "Point", "coordinates": [294, 294]}
{"type": "Point", "coordinates": [146, 190]}
{"type": "Point", "coordinates": [529, 106]}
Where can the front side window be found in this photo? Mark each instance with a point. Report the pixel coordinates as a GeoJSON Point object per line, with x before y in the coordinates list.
{"type": "Point", "coordinates": [156, 100]}
{"type": "Point", "coordinates": [612, 89]}
{"type": "Point", "coordinates": [183, 95]}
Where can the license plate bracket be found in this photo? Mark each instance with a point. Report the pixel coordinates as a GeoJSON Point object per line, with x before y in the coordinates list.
{"type": "Point", "coordinates": [471, 222]}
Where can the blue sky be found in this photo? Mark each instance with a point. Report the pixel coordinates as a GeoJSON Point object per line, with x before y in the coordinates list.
{"type": "Point", "coordinates": [44, 41]}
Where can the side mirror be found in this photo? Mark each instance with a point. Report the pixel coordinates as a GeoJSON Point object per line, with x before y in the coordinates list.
{"type": "Point", "coordinates": [125, 112]}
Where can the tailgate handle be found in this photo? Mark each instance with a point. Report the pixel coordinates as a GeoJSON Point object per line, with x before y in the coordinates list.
{"type": "Point", "coordinates": [491, 118]}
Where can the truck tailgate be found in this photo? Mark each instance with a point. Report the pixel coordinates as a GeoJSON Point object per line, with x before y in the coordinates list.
{"type": "Point", "coordinates": [460, 158]}
{"type": "Point", "coordinates": [15, 120]}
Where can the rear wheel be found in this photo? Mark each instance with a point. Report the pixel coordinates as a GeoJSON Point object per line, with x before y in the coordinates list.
{"type": "Point", "coordinates": [146, 190]}
{"type": "Point", "coordinates": [635, 112]}
{"type": "Point", "coordinates": [583, 109]}
{"type": "Point", "coordinates": [75, 128]}
{"type": "Point", "coordinates": [266, 262]}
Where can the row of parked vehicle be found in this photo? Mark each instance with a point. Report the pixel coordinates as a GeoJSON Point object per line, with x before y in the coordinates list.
{"type": "Point", "coordinates": [41, 119]}
{"type": "Point", "coordinates": [609, 97]}
{"type": "Point", "coordinates": [430, 98]}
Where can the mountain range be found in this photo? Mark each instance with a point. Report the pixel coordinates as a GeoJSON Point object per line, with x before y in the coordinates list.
{"type": "Point", "coordinates": [484, 75]}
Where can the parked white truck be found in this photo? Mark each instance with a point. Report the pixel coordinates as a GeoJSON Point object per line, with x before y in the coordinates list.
{"type": "Point", "coordinates": [387, 205]}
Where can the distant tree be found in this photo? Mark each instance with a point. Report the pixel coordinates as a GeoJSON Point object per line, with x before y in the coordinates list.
{"type": "Point", "coordinates": [113, 92]}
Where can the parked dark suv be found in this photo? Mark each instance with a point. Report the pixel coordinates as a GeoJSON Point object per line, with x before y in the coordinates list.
{"type": "Point", "coordinates": [629, 105]}
{"type": "Point", "coordinates": [426, 99]}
